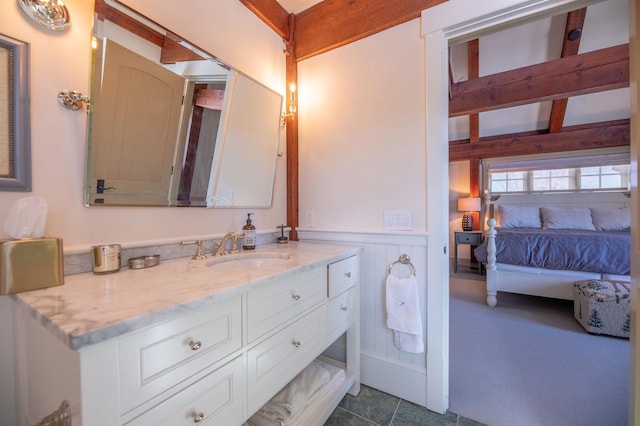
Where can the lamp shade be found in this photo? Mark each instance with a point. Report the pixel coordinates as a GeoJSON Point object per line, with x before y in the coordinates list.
{"type": "Point", "coordinates": [469, 204]}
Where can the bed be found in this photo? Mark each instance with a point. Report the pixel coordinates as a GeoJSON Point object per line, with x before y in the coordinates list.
{"type": "Point", "coordinates": [540, 245]}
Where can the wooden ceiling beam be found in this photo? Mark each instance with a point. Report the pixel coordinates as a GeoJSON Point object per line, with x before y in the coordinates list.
{"type": "Point", "coordinates": [104, 11]}
{"type": "Point", "coordinates": [171, 51]}
{"type": "Point", "coordinates": [586, 136]}
{"type": "Point", "coordinates": [591, 72]}
{"type": "Point", "coordinates": [473, 61]}
{"type": "Point", "coordinates": [272, 14]}
{"type": "Point", "coordinates": [570, 47]}
{"type": "Point", "coordinates": [335, 23]}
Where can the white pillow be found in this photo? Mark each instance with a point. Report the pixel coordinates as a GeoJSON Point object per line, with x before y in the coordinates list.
{"type": "Point", "coordinates": [518, 217]}
{"type": "Point", "coordinates": [571, 218]}
{"type": "Point", "coordinates": [611, 219]}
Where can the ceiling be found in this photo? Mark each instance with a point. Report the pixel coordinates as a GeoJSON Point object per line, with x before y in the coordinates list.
{"type": "Point", "coordinates": [297, 6]}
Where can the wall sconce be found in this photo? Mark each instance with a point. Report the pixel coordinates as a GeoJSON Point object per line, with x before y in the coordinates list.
{"type": "Point", "coordinates": [51, 14]}
{"type": "Point", "coordinates": [292, 106]}
{"type": "Point", "coordinates": [468, 205]}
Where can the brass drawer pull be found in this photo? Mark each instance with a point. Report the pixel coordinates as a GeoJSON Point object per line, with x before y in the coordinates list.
{"type": "Point", "coordinates": [195, 345]}
{"type": "Point", "coordinates": [296, 343]}
{"type": "Point", "coordinates": [295, 296]}
{"type": "Point", "coordinates": [197, 417]}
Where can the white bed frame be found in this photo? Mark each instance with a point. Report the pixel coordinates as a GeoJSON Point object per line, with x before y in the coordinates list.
{"type": "Point", "coordinates": [536, 281]}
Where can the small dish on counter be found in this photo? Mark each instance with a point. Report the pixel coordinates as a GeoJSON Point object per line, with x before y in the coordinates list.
{"type": "Point", "coordinates": [144, 261]}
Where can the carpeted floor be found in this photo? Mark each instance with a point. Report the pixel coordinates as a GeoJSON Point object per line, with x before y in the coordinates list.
{"type": "Point", "coordinates": [527, 362]}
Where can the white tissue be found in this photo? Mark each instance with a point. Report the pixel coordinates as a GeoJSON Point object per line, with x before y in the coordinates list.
{"type": "Point", "coordinates": [26, 218]}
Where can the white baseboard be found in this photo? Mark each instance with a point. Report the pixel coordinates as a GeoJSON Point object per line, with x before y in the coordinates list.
{"type": "Point", "coordinates": [390, 377]}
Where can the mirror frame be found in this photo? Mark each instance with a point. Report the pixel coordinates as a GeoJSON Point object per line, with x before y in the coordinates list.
{"type": "Point", "coordinates": [179, 50]}
{"type": "Point", "coordinates": [15, 76]}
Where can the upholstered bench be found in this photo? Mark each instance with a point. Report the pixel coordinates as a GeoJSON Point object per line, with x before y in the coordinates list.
{"type": "Point", "coordinates": [602, 307]}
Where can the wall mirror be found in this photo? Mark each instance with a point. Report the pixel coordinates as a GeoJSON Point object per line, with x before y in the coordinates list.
{"type": "Point", "coordinates": [15, 136]}
{"type": "Point", "coordinates": [170, 125]}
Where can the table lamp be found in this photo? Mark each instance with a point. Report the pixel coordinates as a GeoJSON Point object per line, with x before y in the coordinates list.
{"type": "Point", "coordinates": [468, 205]}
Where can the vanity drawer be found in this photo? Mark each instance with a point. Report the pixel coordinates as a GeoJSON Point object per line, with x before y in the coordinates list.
{"type": "Point", "coordinates": [217, 398]}
{"type": "Point", "coordinates": [159, 357]}
{"type": "Point", "coordinates": [276, 361]}
{"type": "Point", "coordinates": [340, 314]}
{"type": "Point", "coordinates": [270, 305]}
{"type": "Point", "coordinates": [343, 275]}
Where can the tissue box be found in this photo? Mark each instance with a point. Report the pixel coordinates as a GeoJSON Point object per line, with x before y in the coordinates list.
{"type": "Point", "coordinates": [30, 263]}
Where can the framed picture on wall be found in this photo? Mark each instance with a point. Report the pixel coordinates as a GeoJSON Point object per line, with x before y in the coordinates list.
{"type": "Point", "coordinates": [15, 128]}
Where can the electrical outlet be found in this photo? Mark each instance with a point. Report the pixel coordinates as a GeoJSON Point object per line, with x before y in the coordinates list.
{"type": "Point", "coordinates": [397, 220]}
{"type": "Point", "coordinates": [311, 220]}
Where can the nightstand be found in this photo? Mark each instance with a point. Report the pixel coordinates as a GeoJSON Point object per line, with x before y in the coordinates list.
{"type": "Point", "coordinates": [472, 238]}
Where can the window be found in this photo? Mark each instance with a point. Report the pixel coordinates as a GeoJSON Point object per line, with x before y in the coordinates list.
{"type": "Point", "coordinates": [587, 173]}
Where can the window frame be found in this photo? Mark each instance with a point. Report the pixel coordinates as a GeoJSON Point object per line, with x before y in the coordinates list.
{"type": "Point", "coordinates": [572, 160]}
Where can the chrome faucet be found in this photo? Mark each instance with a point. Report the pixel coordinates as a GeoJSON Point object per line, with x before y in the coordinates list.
{"type": "Point", "coordinates": [220, 248]}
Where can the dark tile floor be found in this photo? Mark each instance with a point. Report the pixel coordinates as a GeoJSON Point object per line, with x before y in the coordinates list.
{"type": "Point", "coordinates": [373, 407]}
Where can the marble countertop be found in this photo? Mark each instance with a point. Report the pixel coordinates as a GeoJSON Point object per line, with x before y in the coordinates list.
{"type": "Point", "coordinates": [89, 308]}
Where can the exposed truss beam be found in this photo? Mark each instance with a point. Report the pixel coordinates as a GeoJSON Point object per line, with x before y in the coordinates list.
{"type": "Point", "coordinates": [587, 136]}
{"type": "Point", "coordinates": [570, 46]}
{"type": "Point", "coordinates": [473, 64]}
{"type": "Point", "coordinates": [171, 51]}
{"type": "Point", "coordinates": [591, 72]}
{"type": "Point", "coordinates": [272, 14]}
{"type": "Point", "coordinates": [335, 23]}
{"type": "Point", "coordinates": [104, 11]}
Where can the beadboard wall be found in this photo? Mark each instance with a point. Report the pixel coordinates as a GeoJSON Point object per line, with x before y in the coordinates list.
{"type": "Point", "coordinates": [383, 366]}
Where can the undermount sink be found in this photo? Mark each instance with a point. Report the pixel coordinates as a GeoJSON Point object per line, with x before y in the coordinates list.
{"type": "Point", "coordinates": [249, 260]}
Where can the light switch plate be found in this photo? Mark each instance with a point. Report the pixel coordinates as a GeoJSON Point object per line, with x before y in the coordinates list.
{"type": "Point", "coordinates": [397, 220]}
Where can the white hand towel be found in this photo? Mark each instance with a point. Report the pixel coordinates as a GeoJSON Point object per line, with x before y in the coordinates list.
{"type": "Point", "coordinates": [403, 313]}
{"type": "Point", "coordinates": [293, 397]}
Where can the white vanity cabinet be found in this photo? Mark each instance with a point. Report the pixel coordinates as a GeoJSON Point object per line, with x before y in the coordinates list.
{"type": "Point", "coordinates": [342, 308]}
{"type": "Point", "coordinates": [163, 356]}
{"type": "Point", "coordinates": [214, 364]}
{"type": "Point", "coordinates": [216, 399]}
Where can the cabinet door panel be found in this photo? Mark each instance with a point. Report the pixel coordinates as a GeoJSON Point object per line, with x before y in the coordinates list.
{"type": "Point", "coordinates": [341, 314]}
{"type": "Point", "coordinates": [343, 275]}
{"type": "Point", "coordinates": [215, 399]}
{"type": "Point", "coordinates": [273, 304]}
{"type": "Point", "coordinates": [155, 359]}
{"type": "Point", "coordinates": [274, 362]}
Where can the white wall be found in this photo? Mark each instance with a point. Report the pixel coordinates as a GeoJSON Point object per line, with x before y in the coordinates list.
{"type": "Point", "coordinates": [362, 132]}
{"type": "Point", "coordinates": [361, 152]}
{"type": "Point", "coordinates": [459, 186]}
{"type": "Point", "coordinates": [361, 117]}
{"type": "Point", "coordinates": [61, 61]}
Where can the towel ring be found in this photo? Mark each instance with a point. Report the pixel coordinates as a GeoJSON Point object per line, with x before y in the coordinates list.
{"type": "Point", "coordinates": [405, 260]}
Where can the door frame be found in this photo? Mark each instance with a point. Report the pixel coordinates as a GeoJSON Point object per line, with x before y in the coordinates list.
{"type": "Point", "coordinates": [446, 23]}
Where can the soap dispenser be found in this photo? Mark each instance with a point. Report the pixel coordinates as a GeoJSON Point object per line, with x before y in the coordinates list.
{"type": "Point", "coordinates": [249, 241]}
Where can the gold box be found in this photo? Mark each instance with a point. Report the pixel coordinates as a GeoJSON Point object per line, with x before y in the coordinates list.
{"type": "Point", "coordinates": [30, 263]}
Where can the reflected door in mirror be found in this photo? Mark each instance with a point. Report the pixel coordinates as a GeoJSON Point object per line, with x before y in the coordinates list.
{"type": "Point", "coordinates": [135, 123]}
{"type": "Point", "coordinates": [189, 156]}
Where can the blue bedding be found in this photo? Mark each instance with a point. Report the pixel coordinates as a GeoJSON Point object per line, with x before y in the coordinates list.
{"type": "Point", "coordinates": [574, 250]}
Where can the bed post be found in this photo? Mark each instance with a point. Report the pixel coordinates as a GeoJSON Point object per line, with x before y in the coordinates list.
{"type": "Point", "coordinates": [492, 284]}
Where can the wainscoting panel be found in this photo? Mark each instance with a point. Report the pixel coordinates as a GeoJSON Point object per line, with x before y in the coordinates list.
{"type": "Point", "coordinates": [384, 367]}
